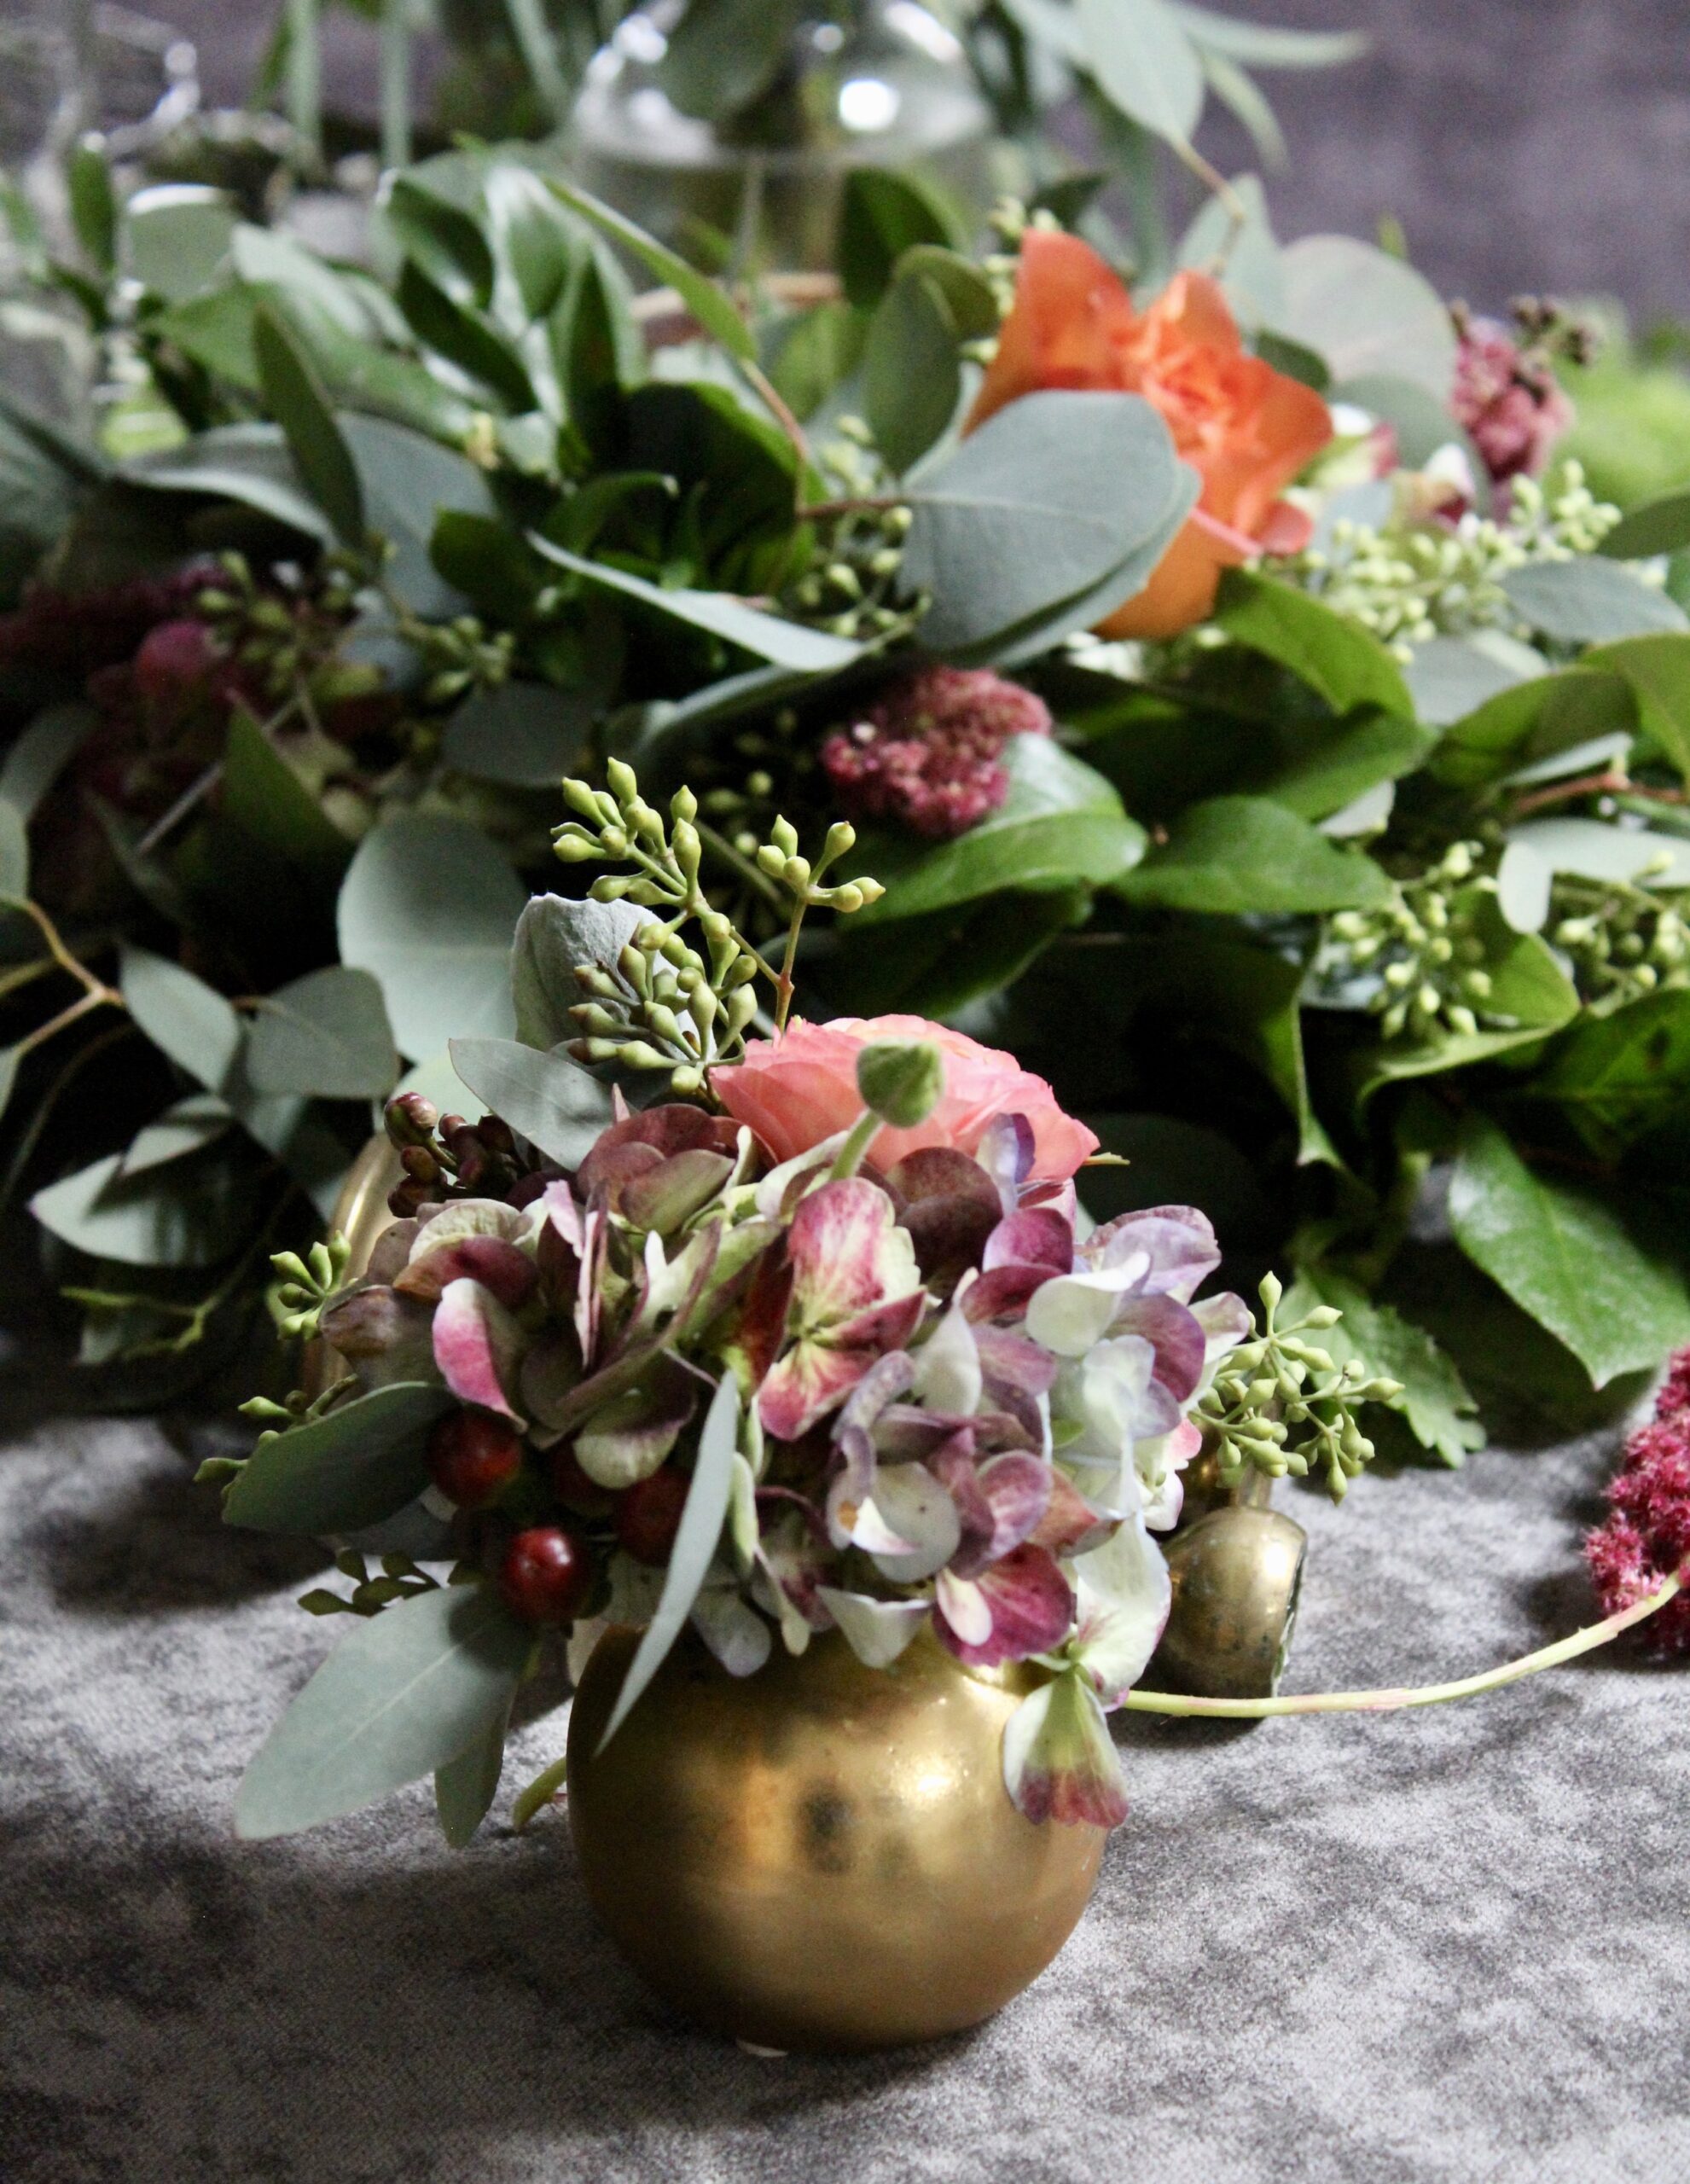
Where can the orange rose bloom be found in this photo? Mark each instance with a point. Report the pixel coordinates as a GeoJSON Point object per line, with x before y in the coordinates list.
{"type": "Point", "coordinates": [1245, 428]}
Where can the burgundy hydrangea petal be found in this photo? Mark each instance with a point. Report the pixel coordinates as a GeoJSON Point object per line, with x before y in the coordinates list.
{"type": "Point", "coordinates": [906, 1433]}
{"type": "Point", "coordinates": [510, 1273]}
{"type": "Point", "coordinates": [1014, 1490]}
{"type": "Point", "coordinates": [841, 1246]}
{"type": "Point", "coordinates": [1032, 1609]}
{"type": "Point", "coordinates": [952, 1463]}
{"type": "Point", "coordinates": [1014, 1361]}
{"type": "Point", "coordinates": [1038, 1238]}
{"type": "Point", "coordinates": [1070, 1526]}
{"type": "Point", "coordinates": [1006, 1153]}
{"type": "Point", "coordinates": [478, 1347]}
{"type": "Point", "coordinates": [1176, 1243]}
{"type": "Point", "coordinates": [941, 1172]}
{"type": "Point", "coordinates": [1175, 1334]}
{"type": "Point", "coordinates": [949, 1235]}
{"type": "Point", "coordinates": [1059, 1762]}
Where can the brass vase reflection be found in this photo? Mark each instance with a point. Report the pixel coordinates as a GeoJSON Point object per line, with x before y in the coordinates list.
{"type": "Point", "coordinates": [822, 1855]}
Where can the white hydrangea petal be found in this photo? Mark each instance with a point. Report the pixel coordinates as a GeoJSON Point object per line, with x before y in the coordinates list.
{"type": "Point", "coordinates": [1124, 1594]}
{"type": "Point", "coordinates": [877, 1631]}
{"type": "Point", "coordinates": [947, 1376]}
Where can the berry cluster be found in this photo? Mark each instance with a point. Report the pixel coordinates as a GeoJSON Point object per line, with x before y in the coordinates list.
{"type": "Point", "coordinates": [927, 755]}
{"type": "Point", "coordinates": [1646, 1537]}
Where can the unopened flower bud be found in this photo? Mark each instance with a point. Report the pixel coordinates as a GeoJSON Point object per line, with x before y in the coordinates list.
{"type": "Point", "coordinates": [411, 1118]}
{"type": "Point", "coordinates": [901, 1080]}
{"type": "Point", "coordinates": [624, 784]}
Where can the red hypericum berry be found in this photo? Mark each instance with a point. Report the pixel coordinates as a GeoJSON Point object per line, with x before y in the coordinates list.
{"type": "Point", "coordinates": [546, 1575]}
{"type": "Point", "coordinates": [473, 1457]}
{"type": "Point", "coordinates": [175, 661]}
{"type": "Point", "coordinates": [582, 1496]}
{"type": "Point", "coordinates": [648, 1516]}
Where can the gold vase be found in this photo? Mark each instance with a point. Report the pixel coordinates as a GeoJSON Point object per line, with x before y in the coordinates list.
{"type": "Point", "coordinates": [822, 1855]}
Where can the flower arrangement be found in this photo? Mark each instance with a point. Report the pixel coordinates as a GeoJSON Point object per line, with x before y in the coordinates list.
{"type": "Point", "coordinates": [823, 1345]}
{"type": "Point", "coordinates": [1234, 671]}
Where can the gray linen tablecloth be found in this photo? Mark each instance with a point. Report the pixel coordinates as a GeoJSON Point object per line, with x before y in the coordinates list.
{"type": "Point", "coordinates": [1450, 1945]}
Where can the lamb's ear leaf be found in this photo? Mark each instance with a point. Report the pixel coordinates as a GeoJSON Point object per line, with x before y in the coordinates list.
{"type": "Point", "coordinates": [407, 1692]}
{"type": "Point", "coordinates": [696, 1542]}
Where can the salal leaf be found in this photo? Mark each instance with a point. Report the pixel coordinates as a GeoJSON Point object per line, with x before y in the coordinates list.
{"type": "Point", "coordinates": [1590, 600]}
{"type": "Point", "coordinates": [295, 396]}
{"type": "Point", "coordinates": [1144, 63]}
{"type": "Point", "coordinates": [720, 57]}
{"type": "Point", "coordinates": [786, 644]}
{"type": "Point", "coordinates": [429, 907]}
{"type": "Point", "coordinates": [1335, 656]}
{"type": "Point", "coordinates": [327, 1035]}
{"type": "Point", "coordinates": [1378, 748]}
{"type": "Point", "coordinates": [912, 376]}
{"type": "Point", "coordinates": [882, 215]}
{"type": "Point", "coordinates": [552, 1100]}
{"type": "Point", "coordinates": [1363, 312]}
{"type": "Point", "coordinates": [1655, 670]}
{"type": "Point", "coordinates": [1234, 854]}
{"type": "Point", "coordinates": [1041, 504]}
{"type": "Point", "coordinates": [354, 1465]}
{"type": "Point", "coordinates": [405, 1693]}
{"type": "Point", "coordinates": [709, 303]}
{"type": "Point", "coordinates": [1617, 1077]}
{"type": "Point", "coordinates": [695, 1543]}
{"type": "Point", "coordinates": [1060, 823]}
{"type": "Point", "coordinates": [465, 1787]}
{"type": "Point", "coordinates": [181, 1015]}
{"type": "Point", "coordinates": [1566, 1254]}
{"type": "Point", "coordinates": [1532, 720]}
{"type": "Point", "coordinates": [554, 935]}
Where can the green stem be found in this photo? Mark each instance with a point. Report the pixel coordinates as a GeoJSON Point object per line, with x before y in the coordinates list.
{"type": "Point", "coordinates": [783, 985]}
{"type": "Point", "coordinates": [720, 846]}
{"type": "Point", "coordinates": [396, 83]}
{"type": "Point", "coordinates": [304, 75]}
{"type": "Point", "coordinates": [855, 1150]}
{"type": "Point", "coordinates": [1427, 1694]}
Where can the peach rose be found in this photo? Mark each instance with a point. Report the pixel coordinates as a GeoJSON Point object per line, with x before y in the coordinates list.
{"type": "Point", "coordinates": [1246, 429]}
{"type": "Point", "coordinates": [800, 1088]}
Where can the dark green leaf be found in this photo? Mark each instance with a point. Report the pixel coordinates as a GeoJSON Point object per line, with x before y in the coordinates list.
{"type": "Point", "coordinates": [1234, 854]}
{"type": "Point", "coordinates": [710, 305]}
{"type": "Point", "coordinates": [533, 246]}
{"type": "Point", "coordinates": [552, 1100]}
{"type": "Point", "coordinates": [406, 482]}
{"type": "Point", "coordinates": [1617, 1077]}
{"type": "Point", "coordinates": [1531, 720]}
{"type": "Point", "coordinates": [1335, 772]}
{"type": "Point", "coordinates": [176, 235]}
{"type": "Point", "coordinates": [295, 396]}
{"type": "Point", "coordinates": [723, 53]}
{"type": "Point", "coordinates": [263, 796]}
{"type": "Point", "coordinates": [481, 557]}
{"type": "Point", "coordinates": [525, 734]}
{"type": "Point", "coordinates": [1590, 601]}
{"type": "Point", "coordinates": [1568, 1256]}
{"type": "Point", "coordinates": [817, 352]}
{"type": "Point", "coordinates": [883, 215]}
{"type": "Point", "coordinates": [93, 208]}
{"type": "Point", "coordinates": [787, 644]}
{"type": "Point", "coordinates": [443, 239]}
{"type": "Point", "coordinates": [188, 1019]}
{"type": "Point", "coordinates": [406, 1693]}
{"type": "Point", "coordinates": [326, 1036]}
{"type": "Point", "coordinates": [1060, 824]}
{"type": "Point", "coordinates": [695, 1543]}
{"type": "Point", "coordinates": [948, 958]}
{"type": "Point", "coordinates": [1660, 526]}
{"type": "Point", "coordinates": [356, 1464]}
{"type": "Point", "coordinates": [1436, 1402]}
{"type": "Point", "coordinates": [1044, 502]}
{"type": "Point", "coordinates": [465, 1787]}
{"type": "Point", "coordinates": [429, 907]}
{"type": "Point", "coordinates": [1657, 671]}
{"type": "Point", "coordinates": [912, 377]}
{"type": "Point", "coordinates": [1345, 663]}
{"type": "Point", "coordinates": [453, 331]}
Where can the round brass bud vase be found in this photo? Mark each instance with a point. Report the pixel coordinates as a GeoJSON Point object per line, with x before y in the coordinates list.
{"type": "Point", "coordinates": [1237, 1573]}
{"type": "Point", "coordinates": [822, 1855]}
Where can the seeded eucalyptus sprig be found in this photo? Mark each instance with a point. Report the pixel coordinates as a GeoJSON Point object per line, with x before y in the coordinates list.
{"type": "Point", "coordinates": [666, 1004]}
{"type": "Point", "coordinates": [1282, 1406]}
{"type": "Point", "coordinates": [304, 1285]}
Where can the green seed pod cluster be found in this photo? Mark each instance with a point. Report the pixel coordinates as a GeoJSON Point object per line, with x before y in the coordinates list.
{"type": "Point", "coordinates": [304, 1285]}
{"type": "Point", "coordinates": [1279, 1405]}
{"type": "Point", "coordinates": [1623, 940]}
{"type": "Point", "coordinates": [1423, 949]}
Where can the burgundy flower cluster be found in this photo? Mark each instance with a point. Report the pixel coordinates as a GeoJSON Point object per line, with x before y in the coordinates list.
{"type": "Point", "coordinates": [1506, 392]}
{"type": "Point", "coordinates": [1646, 1537]}
{"type": "Point", "coordinates": [927, 755]}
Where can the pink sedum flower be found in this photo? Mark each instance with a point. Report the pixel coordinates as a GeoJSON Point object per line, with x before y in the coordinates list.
{"type": "Point", "coordinates": [800, 1088]}
{"type": "Point", "coordinates": [1508, 399]}
{"type": "Point", "coordinates": [926, 755]}
{"type": "Point", "coordinates": [1646, 1537]}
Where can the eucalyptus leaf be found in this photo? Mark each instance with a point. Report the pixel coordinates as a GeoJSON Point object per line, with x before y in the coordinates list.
{"type": "Point", "coordinates": [429, 907]}
{"type": "Point", "coordinates": [186, 1127]}
{"type": "Point", "coordinates": [786, 644]}
{"type": "Point", "coordinates": [1568, 1256]}
{"type": "Point", "coordinates": [1033, 639]}
{"type": "Point", "coordinates": [251, 464]}
{"type": "Point", "coordinates": [405, 482]}
{"type": "Point", "coordinates": [1244, 255]}
{"type": "Point", "coordinates": [695, 1543]}
{"type": "Point", "coordinates": [176, 237]}
{"type": "Point", "coordinates": [405, 1693]}
{"type": "Point", "coordinates": [1335, 655]}
{"type": "Point", "coordinates": [1269, 46]}
{"type": "Point", "coordinates": [13, 854]}
{"type": "Point", "coordinates": [552, 936]}
{"type": "Point", "coordinates": [1449, 677]}
{"type": "Point", "coordinates": [295, 396]}
{"type": "Point", "coordinates": [1364, 312]}
{"type": "Point", "coordinates": [1145, 63]}
{"type": "Point", "coordinates": [465, 1787]}
{"type": "Point", "coordinates": [266, 799]}
{"type": "Point", "coordinates": [912, 376]}
{"type": "Point", "coordinates": [527, 735]}
{"type": "Point", "coordinates": [181, 1015]}
{"type": "Point", "coordinates": [1060, 823]}
{"type": "Point", "coordinates": [1590, 600]}
{"type": "Point", "coordinates": [552, 1100]}
{"type": "Point", "coordinates": [326, 1035]}
{"type": "Point", "coordinates": [359, 1462]}
{"type": "Point", "coordinates": [1657, 525]}
{"type": "Point", "coordinates": [1602, 852]}
{"type": "Point", "coordinates": [1235, 854]}
{"type": "Point", "coordinates": [193, 1213]}
{"type": "Point", "coordinates": [41, 752]}
{"type": "Point", "coordinates": [1044, 502]}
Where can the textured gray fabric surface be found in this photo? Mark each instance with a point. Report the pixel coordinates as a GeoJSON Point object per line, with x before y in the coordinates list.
{"type": "Point", "coordinates": [1450, 1945]}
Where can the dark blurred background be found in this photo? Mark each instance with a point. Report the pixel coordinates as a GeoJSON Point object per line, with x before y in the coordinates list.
{"type": "Point", "coordinates": [1537, 145]}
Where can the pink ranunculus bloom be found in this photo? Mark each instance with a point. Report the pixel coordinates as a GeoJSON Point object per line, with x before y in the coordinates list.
{"type": "Point", "coordinates": [798, 1089]}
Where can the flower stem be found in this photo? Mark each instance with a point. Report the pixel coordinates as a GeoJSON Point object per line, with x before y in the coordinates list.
{"type": "Point", "coordinates": [855, 1150]}
{"type": "Point", "coordinates": [1426, 1695]}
